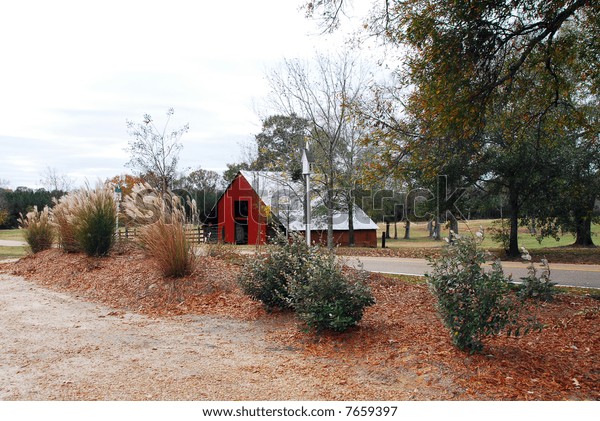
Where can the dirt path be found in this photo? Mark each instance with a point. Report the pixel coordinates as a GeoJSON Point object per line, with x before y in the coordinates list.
{"type": "Point", "coordinates": [55, 346]}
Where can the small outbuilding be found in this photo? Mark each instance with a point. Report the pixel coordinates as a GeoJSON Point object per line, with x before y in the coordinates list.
{"type": "Point", "coordinates": [256, 203]}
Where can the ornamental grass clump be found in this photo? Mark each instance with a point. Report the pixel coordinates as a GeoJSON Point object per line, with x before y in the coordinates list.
{"type": "Point", "coordinates": [473, 303]}
{"type": "Point", "coordinates": [39, 232]}
{"type": "Point", "coordinates": [93, 219]}
{"type": "Point", "coordinates": [163, 219]}
{"type": "Point", "coordinates": [62, 216]}
{"type": "Point", "coordinates": [86, 220]}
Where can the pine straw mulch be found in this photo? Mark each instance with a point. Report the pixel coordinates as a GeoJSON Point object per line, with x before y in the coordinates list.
{"type": "Point", "coordinates": [401, 333]}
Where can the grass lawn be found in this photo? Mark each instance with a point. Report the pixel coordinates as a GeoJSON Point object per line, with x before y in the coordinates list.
{"type": "Point", "coordinates": [13, 252]}
{"type": "Point", "coordinates": [420, 236]}
{"type": "Point", "coordinates": [14, 234]}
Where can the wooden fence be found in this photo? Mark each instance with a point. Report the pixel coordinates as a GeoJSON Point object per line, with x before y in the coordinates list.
{"type": "Point", "coordinates": [196, 234]}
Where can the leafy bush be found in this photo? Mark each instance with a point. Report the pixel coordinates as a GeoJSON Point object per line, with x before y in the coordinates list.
{"type": "Point", "coordinates": [534, 286]}
{"type": "Point", "coordinates": [163, 232]}
{"type": "Point", "coordinates": [473, 303]}
{"type": "Point", "coordinates": [39, 231]}
{"type": "Point", "coordinates": [500, 233]}
{"type": "Point", "coordinates": [265, 278]}
{"type": "Point", "coordinates": [293, 275]}
{"type": "Point", "coordinates": [326, 299]}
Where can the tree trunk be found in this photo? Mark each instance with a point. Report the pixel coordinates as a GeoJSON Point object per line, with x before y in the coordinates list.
{"type": "Point", "coordinates": [387, 229]}
{"type": "Point", "coordinates": [430, 228]}
{"type": "Point", "coordinates": [513, 244]}
{"type": "Point", "coordinates": [351, 222]}
{"type": "Point", "coordinates": [453, 224]}
{"type": "Point", "coordinates": [407, 230]}
{"type": "Point", "coordinates": [583, 226]}
{"type": "Point", "coordinates": [584, 233]}
{"type": "Point", "coordinates": [436, 229]}
{"type": "Point", "coordinates": [330, 244]}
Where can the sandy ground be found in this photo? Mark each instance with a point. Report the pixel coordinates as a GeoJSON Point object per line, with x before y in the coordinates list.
{"type": "Point", "coordinates": [58, 347]}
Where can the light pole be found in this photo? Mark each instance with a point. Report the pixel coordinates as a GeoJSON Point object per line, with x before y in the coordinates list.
{"type": "Point", "coordinates": [307, 159]}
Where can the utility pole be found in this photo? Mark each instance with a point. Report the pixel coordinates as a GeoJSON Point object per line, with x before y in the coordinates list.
{"type": "Point", "coordinates": [307, 159]}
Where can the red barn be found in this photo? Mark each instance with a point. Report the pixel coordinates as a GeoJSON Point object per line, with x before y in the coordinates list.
{"type": "Point", "coordinates": [255, 203]}
{"type": "Point", "coordinates": [239, 214]}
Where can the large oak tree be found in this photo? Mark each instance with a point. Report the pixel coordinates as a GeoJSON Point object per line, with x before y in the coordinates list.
{"type": "Point", "coordinates": [497, 86]}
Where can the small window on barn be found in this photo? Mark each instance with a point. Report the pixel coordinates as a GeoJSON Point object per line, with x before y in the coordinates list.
{"type": "Point", "coordinates": [241, 209]}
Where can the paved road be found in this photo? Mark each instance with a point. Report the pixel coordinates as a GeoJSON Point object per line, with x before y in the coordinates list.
{"type": "Point", "coordinates": [12, 243]}
{"type": "Point", "coordinates": [563, 274]}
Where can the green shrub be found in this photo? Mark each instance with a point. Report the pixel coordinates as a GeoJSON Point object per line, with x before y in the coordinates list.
{"type": "Point", "coordinates": [500, 233]}
{"type": "Point", "coordinates": [472, 302]}
{"type": "Point", "coordinates": [534, 286]}
{"type": "Point", "coordinates": [265, 278]}
{"type": "Point", "coordinates": [325, 298]}
{"type": "Point", "coordinates": [311, 282]}
{"type": "Point", "coordinates": [39, 231]}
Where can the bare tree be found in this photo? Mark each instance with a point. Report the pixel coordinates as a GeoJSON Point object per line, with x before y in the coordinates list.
{"type": "Point", "coordinates": [53, 181]}
{"type": "Point", "coordinates": [155, 153]}
{"type": "Point", "coordinates": [321, 92]}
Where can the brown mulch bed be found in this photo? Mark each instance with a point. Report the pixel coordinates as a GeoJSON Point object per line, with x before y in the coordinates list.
{"type": "Point", "coordinates": [401, 333]}
{"type": "Point", "coordinates": [408, 252]}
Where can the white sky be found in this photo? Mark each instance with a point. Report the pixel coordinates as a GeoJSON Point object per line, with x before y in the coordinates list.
{"type": "Point", "coordinates": [73, 72]}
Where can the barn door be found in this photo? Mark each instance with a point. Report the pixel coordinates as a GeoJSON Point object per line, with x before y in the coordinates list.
{"type": "Point", "coordinates": [241, 233]}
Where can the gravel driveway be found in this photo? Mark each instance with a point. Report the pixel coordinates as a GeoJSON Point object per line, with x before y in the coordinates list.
{"type": "Point", "coordinates": [56, 346]}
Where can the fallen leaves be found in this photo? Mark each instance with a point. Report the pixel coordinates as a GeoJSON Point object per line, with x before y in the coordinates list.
{"type": "Point", "coordinates": [401, 333]}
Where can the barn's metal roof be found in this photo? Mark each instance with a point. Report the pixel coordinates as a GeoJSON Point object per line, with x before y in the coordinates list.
{"type": "Point", "coordinates": [285, 199]}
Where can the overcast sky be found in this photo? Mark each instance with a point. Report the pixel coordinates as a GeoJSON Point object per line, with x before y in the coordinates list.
{"type": "Point", "coordinates": [73, 72]}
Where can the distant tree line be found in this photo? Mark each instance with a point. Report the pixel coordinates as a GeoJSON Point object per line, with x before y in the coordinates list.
{"type": "Point", "coordinates": [21, 201]}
